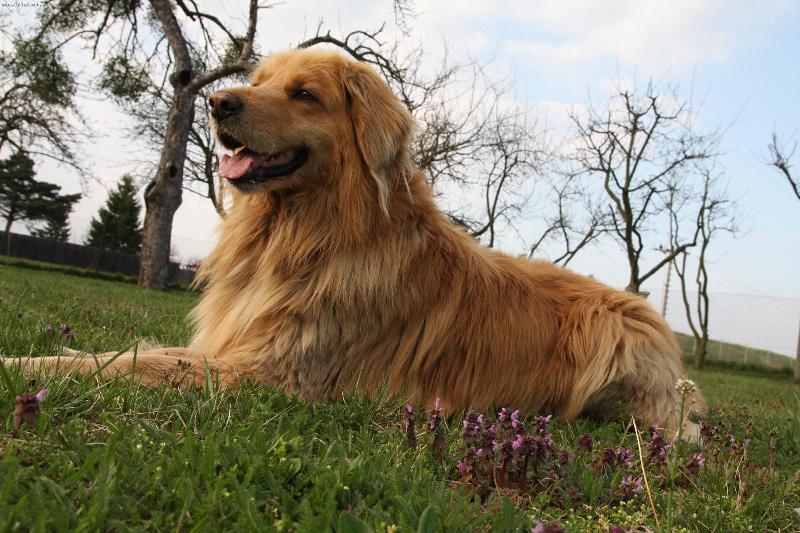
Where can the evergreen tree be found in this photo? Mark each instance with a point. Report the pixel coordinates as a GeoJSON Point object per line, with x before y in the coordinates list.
{"type": "Point", "coordinates": [116, 226]}
{"type": "Point", "coordinates": [22, 197]}
{"type": "Point", "coordinates": [56, 225]}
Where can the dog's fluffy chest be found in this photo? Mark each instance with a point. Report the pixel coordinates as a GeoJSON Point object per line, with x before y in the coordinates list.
{"type": "Point", "coordinates": [297, 331]}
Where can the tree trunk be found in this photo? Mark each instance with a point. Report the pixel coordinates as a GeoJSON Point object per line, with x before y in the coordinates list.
{"type": "Point", "coordinates": [9, 221]}
{"type": "Point", "coordinates": [700, 346]}
{"type": "Point", "coordinates": [163, 196]}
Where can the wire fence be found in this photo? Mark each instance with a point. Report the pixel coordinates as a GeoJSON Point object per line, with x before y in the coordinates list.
{"type": "Point", "coordinates": [184, 250]}
{"type": "Point", "coordinates": [753, 329]}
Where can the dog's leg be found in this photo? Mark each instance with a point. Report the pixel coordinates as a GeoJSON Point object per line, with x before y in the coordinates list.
{"type": "Point", "coordinates": [170, 366]}
{"type": "Point", "coordinates": [172, 351]}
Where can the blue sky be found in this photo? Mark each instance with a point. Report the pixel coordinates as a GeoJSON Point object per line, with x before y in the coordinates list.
{"type": "Point", "coordinates": [740, 57]}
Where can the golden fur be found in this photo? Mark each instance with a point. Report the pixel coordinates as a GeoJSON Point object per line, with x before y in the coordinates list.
{"type": "Point", "coordinates": [346, 274]}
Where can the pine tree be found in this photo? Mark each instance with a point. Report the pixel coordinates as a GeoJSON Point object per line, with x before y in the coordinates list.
{"type": "Point", "coordinates": [56, 225]}
{"type": "Point", "coordinates": [23, 197]}
{"type": "Point", "coordinates": [116, 226]}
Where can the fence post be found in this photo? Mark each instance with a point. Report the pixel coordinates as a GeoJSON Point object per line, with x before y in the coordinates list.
{"type": "Point", "coordinates": [666, 290]}
{"type": "Point", "coordinates": [797, 354]}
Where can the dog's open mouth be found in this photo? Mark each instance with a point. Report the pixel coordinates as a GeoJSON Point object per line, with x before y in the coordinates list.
{"type": "Point", "coordinates": [245, 166]}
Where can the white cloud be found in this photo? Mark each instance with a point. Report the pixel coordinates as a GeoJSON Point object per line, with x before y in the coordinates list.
{"type": "Point", "coordinates": [653, 35]}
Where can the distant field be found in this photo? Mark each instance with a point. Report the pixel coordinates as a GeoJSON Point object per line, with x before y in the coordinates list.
{"type": "Point", "coordinates": [116, 456]}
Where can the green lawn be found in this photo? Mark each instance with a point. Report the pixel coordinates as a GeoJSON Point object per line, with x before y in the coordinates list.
{"type": "Point", "coordinates": [116, 456]}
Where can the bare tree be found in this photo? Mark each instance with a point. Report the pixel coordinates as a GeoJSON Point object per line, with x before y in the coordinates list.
{"type": "Point", "coordinates": [141, 43]}
{"type": "Point", "coordinates": [780, 158]}
{"type": "Point", "coordinates": [638, 148]}
{"type": "Point", "coordinates": [202, 160]}
{"type": "Point", "coordinates": [716, 213]}
{"type": "Point", "coordinates": [573, 221]}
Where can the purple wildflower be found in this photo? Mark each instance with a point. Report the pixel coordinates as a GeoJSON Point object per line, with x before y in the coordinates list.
{"type": "Point", "coordinates": [707, 431]}
{"type": "Point", "coordinates": [476, 471]}
{"type": "Point", "coordinates": [658, 446]}
{"type": "Point", "coordinates": [586, 443]}
{"type": "Point", "coordinates": [27, 408]}
{"type": "Point", "coordinates": [63, 328]}
{"type": "Point", "coordinates": [773, 446]}
{"type": "Point", "coordinates": [546, 445]}
{"type": "Point", "coordinates": [564, 457]}
{"type": "Point", "coordinates": [624, 456]}
{"type": "Point", "coordinates": [552, 527]}
{"type": "Point", "coordinates": [516, 423]}
{"type": "Point", "coordinates": [611, 457]}
{"type": "Point", "coordinates": [541, 423]}
{"type": "Point", "coordinates": [50, 330]}
{"type": "Point", "coordinates": [439, 445]}
{"type": "Point", "coordinates": [435, 417]}
{"type": "Point", "coordinates": [629, 486]}
{"type": "Point", "coordinates": [504, 419]}
{"type": "Point", "coordinates": [409, 426]}
{"type": "Point", "coordinates": [70, 336]}
{"type": "Point", "coordinates": [505, 453]}
{"type": "Point", "coordinates": [606, 458]}
{"type": "Point", "coordinates": [471, 431]}
{"type": "Point", "coordinates": [692, 468]}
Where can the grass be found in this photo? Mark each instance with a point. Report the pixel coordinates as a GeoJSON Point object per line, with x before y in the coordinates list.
{"type": "Point", "coordinates": [116, 456]}
{"type": "Point", "coordinates": [65, 269]}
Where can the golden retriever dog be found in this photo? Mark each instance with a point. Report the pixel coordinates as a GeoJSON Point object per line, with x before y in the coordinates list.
{"type": "Point", "coordinates": [335, 270]}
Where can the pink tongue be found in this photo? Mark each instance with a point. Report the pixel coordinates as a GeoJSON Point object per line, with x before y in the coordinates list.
{"type": "Point", "coordinates": [233, 167]}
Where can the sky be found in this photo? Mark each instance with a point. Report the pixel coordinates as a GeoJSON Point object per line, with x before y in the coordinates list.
{"type": "Point", "coordinates": [737, 58]}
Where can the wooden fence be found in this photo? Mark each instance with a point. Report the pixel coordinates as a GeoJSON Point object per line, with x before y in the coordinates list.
{"type": "Point", "coordinates": [85, 257]}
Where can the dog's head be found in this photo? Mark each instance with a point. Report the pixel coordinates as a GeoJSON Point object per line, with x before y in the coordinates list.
{"type": "Point", "coordinates": [305, 115]}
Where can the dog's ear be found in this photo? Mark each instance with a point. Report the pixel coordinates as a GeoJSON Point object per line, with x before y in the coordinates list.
{"type": "Point", "coordinates": [382, 124]}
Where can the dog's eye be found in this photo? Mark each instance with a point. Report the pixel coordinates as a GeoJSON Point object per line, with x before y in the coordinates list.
{"type": "Point", "coordinates": [303, 94]}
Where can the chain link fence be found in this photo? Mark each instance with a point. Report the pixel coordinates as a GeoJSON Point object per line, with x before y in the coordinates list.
{"type": "Point", "coordinates": [746, 328]}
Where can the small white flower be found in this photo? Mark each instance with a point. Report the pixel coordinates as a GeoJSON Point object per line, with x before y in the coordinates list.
{"type": "Point", "coordinates": [685, 386]}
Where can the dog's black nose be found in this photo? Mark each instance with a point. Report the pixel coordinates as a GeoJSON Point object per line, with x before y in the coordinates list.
{"type": "Point", "coordinates": [224, 105]}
